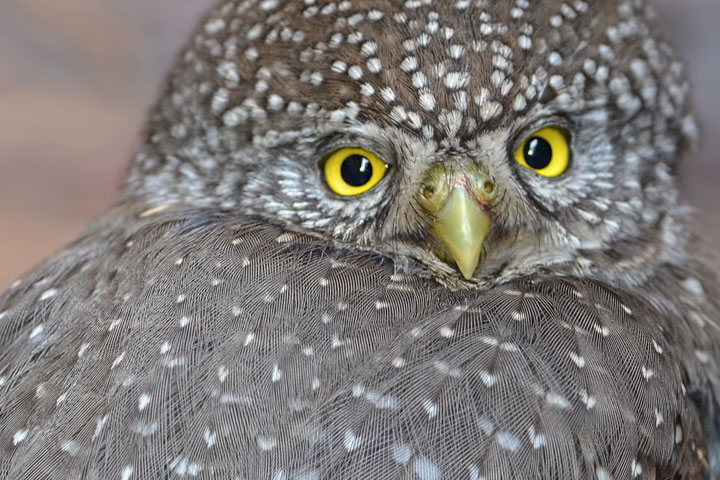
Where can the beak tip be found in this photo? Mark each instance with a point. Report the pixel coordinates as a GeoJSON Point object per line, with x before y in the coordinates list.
{"type": "Point", "coordinates": [467, 270]}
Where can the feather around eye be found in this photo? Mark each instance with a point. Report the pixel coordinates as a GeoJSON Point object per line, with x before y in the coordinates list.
{"type": "Point", "coordinates": [353, 171]}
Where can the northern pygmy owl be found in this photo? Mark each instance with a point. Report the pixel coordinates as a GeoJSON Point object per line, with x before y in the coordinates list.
{"type": "Point", "coordinates": [384, 239]}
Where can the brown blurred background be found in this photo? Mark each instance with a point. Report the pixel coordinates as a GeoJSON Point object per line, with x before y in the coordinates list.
{"type": "Point", "coordinates": [77, 76]}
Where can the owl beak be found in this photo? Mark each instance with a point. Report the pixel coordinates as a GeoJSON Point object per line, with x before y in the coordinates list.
{"type": "Point", "coordinates": [457, 204]}
{"type": "Point", "coordinates": [461, 225]}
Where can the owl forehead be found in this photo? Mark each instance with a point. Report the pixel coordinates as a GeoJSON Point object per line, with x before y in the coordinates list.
{"type": "Point", "coordinates": [444, 70]}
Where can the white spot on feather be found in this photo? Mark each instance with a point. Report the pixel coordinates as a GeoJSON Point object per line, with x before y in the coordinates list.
{"type": "Point", "coordinates": [636, 468]}
{"type": "Point", "coordinates": [508, 441]}
{"type": "Point", "coordinates": [426, 469]}
{"type": "Point", "coordinates": [430, 408]}
{"type": "Point", "coordinates": [210, 438]}
{"type": "Point", "coordinates": [37, 331]}
{"type": "Point", "coordinates": [694, 286]}
{"type": "Point", "coordinates": [126, 473]}
{"type": "Point", "coordinates": [266, 443]}
{"type": "Point", "coordinates": [401, 453]}
{"type": "Point", "coordinates": [557, 400]}
{"type": "Point", "coordinates": [352, 441]}
{"type": "Point", "coordinates": [99, 425]}
{"type": "Point", "coordinates": [48, 294]}
{"type": "Point", "coordinates": [447, 332]}
{"type": "Point", "coordinates": [143, 401]}
{"type": "Point", "coordinates": [659, 418]}
{"type": "Point", "coordinates": [579, 361]}
{"type": "Point", "coordinates": [20, 436]}
{"type": "Point", "coordinates": [277, 374]}
{"type": "Point", "coordinates": [488, 378]}
{"type": "Point", "coordinates": [602, 474]}
{"type": "Point", "coordinates": [70, 447]}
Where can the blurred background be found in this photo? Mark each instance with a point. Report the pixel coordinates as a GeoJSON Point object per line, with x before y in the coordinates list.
{"type": "Point", "coordinates": [77, 76]}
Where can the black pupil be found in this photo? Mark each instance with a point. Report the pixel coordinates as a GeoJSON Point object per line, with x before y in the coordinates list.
{"type": "Point", "coordinates": [356, 170]}
{"type": "Point", "coordinates": [538, 153]}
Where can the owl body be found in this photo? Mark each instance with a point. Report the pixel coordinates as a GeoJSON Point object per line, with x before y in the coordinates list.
{"type": "Point", "coordinates": [268, 354]}
{"type": "Point", "coordinates": [386, 240]}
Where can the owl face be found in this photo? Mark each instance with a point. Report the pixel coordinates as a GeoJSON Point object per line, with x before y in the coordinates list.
{"type": "Point", "coordinates": [475, 140]}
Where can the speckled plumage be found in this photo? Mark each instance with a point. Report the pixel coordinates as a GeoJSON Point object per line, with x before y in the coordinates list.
{"type": "Point", "coordinates": [230, 317]}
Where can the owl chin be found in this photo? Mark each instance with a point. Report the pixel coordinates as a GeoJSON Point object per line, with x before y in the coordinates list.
{"type": "Point", "coordinates": [502, 258]}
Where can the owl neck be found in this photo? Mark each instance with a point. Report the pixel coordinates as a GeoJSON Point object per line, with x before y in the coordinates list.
{"type": "Point", "coordinates": [635, 260]}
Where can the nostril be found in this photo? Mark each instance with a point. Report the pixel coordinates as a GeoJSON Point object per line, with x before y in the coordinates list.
{"type": "Point", "coordinates": [429, 192]}
{"type": "Point", "coordinates": [489, 187]}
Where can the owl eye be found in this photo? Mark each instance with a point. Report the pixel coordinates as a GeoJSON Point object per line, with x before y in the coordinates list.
{"type": "Point", "coordinates": [353, 171]}
{"type": "Point", "coordinates": [546, 152]}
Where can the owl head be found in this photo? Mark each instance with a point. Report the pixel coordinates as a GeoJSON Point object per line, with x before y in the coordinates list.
{"type": "Point", "coordinates": [470, 140]}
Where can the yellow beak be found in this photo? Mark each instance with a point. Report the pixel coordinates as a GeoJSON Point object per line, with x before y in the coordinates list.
{"type": "Point", "coordinates": [462, 225]}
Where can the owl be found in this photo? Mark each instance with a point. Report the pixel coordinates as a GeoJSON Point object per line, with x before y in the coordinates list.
{"type": "Point", "coordinates": [385, 239]}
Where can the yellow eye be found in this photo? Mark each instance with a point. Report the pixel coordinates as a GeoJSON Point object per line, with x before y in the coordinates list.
{"type": "Point", "coordinates": [546, 152]}
{"type": "Point", "coordinates": [353, 171]}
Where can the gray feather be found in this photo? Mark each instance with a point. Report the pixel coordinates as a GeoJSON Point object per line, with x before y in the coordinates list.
{"type": "Point", "coordinates": [267, 354]}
